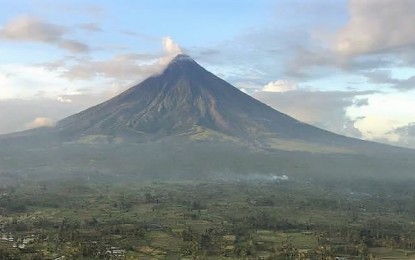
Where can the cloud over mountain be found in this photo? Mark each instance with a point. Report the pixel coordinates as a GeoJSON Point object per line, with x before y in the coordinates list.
{"type": "Point", "coordinates": [125, 66]}
{"type": "Point", "coordinates": [41, 122]}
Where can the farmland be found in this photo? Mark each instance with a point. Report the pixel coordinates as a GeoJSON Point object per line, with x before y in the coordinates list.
{"type": "Point", "coordinates": [228, 219]}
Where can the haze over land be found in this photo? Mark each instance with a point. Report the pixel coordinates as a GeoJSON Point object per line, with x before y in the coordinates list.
{"type": "Point", "coordinates": [313, 64]}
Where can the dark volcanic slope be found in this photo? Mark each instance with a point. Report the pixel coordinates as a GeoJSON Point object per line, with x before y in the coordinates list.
{"type": "Point", "coordinates": [186, 100]}
{"type": "Point", "coordinates": [154, 128]}
{"type": "Point", "coordinates": [183, 99]}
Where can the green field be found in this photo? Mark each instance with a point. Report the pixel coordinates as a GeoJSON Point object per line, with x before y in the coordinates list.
{"type": "Point", "coordinates": [207, 220]}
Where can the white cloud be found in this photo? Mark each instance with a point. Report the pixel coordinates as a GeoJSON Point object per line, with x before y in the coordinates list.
{"type": "Point", "coordinates": [24, 111]}
{"type": "Point", "coordinates": [64, 99]}
{"type": "Point", "coordinates": [41, 122]}
{"type": "Point", "coordinates": [74, 46]}
{"type": "Point", "coordinates": [382, 114]}
{"type": "Point", "coordinates": [325, 109]}
{"type": "Point", "coordinates": [279, 86]}
{"type": "Point", "coordinates": [377, 26]}
{"type": "Point", "coordinates": [378, 34]}
{"type": "Point", "coordinates": [129, 67]}
{"type": "Point", "coordinates": [374, 127]}
{"type": "Point", "coordinates": [31, 29]}
{"type": "Point", "coordinates": [31, 82]}
{"type": "Point", "coordinates": [170, 47]}
{"type": "Point", "coordinates": [27, 28]}
{"type": "Point", "coordinates": [6, 87]}
{"type": "Point", "coordinates": [406, 134]}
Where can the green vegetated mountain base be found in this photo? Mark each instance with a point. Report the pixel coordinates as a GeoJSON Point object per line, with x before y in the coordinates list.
{"type": "Point", "coordinates": [195, 161]}
{"type": "Point", "coordinates": [267, 219]}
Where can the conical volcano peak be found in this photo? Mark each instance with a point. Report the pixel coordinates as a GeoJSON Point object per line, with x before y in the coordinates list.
{"type": "Point", "coordinates": [182, 63]}
{"type": "Point", "coordinates": [181, 58]}
{"type": "Point", "coordinates": [185, 99]}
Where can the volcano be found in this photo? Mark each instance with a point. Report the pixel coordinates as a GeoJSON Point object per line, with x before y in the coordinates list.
{"type": "Point", "coordinates": [185, 121]}
{"type": "Point", "coordinates": [187, 100]}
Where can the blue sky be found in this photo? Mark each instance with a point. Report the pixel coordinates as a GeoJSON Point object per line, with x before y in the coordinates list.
{"type": "Point", "coordinates": [335, 64]}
